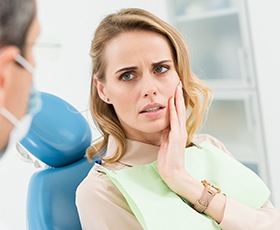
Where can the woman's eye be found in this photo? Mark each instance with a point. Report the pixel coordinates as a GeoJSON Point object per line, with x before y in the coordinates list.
{"type": "Point", "coordinates": [161, 69]}
{"type": "Point", "coordinates": [126, 76]}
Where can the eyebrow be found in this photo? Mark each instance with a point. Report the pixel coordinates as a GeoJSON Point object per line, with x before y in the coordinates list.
{"type": "Point", "coordinates": [160, 62]}
{"type": "Point", "coordinates": [130, 68]}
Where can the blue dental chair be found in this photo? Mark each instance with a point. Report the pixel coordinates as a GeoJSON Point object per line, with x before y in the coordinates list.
{"type": "Point", "coordinates": [56, 141]}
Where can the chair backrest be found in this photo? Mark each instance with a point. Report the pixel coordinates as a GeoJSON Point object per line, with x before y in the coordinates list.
{"type": "Point", "coordinates": [58, 137]}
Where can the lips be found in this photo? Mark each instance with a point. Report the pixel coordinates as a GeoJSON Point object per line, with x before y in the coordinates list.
{"type": "Point", "coordinates": [152, 108]}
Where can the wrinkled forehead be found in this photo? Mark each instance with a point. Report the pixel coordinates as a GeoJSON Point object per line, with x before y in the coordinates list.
{"type": "Point", "coordinates": [130, 47]}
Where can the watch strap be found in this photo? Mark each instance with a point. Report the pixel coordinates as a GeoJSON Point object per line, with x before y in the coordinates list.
{"type": "Point", "coordinates": [207, 196]}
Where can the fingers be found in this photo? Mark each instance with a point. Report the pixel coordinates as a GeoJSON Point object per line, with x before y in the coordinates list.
{"type": "Point", "coordinates": [180, 107]}
{"type": "Point", "coordinates": [164, 139]}
{"type": "Point", "coordinates": [173, 115]}
{"type": "Point", "coordinates": [177, 113]}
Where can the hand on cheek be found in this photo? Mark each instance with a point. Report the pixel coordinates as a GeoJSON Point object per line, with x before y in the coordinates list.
{"type": "Point", "coordinates": [171, 156]}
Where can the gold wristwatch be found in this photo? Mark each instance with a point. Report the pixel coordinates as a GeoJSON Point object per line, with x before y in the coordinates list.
{"type": "Point", "coordinates": [207, 195]}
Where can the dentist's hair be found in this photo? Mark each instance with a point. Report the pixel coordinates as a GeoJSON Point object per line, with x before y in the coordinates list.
{"type": "Point", "coordinates": [16, 17]}
{"type": "Point", "coordinates": [196, 93]}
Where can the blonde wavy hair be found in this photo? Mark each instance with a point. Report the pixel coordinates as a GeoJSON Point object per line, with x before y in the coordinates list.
{"type": "Point", "coordinates": [196, 93]}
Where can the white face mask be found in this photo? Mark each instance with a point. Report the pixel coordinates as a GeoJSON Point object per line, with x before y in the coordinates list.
{"type": "Point", "coordinates": [21, 127]}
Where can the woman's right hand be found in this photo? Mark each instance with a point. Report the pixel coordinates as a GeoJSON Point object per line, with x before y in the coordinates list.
{"type": "Point", "coordinates": [171, 155]}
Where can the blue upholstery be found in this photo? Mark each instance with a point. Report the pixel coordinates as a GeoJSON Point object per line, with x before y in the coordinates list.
{"type": "Point", "coordinates": [59, 136]}
{"type": "Point", "coordinates": [51, 197]}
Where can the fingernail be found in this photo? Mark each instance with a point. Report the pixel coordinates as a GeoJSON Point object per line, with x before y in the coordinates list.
{"type": "Point", "coordinates": [180, 84]}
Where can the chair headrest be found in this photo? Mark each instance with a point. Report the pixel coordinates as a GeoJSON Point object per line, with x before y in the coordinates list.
{"type": "Point", "coordinates": [59, 134]}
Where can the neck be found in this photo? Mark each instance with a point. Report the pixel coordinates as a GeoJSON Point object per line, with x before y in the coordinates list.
{"type": "Point", "coordinates": [151, 139]}
{"type": "Point", "coordinates": [7, 122]}
{"type": "Point", "coordinates": [6, 128]}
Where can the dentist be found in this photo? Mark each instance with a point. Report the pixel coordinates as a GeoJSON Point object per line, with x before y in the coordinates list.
{"type": "Point", "coordinates": [19, 100]}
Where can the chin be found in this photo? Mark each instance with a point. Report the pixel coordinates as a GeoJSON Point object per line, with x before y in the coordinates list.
{"type": "Point", "coordinates": [156, 127]}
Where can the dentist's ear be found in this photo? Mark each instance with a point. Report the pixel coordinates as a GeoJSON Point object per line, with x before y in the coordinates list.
{"type": "Point", "coordinates": [101, 89]}
{"type": "Point", "coordinates": [7, 55]}
{"type": "Point", "coordinates": [7, 58]}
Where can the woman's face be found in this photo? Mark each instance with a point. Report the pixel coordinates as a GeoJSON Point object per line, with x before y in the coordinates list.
{"type": "Point", "coordinates": [139, 80]}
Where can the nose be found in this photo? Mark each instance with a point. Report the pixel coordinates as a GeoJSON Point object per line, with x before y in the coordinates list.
{"type": "Point", "coordinates": [152, 94]}
{"type": "Point", "coordinates": [149, 87]}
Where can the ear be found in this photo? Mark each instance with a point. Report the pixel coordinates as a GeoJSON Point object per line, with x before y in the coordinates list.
{"type": "Point", "coordinates": [7, 57]}
{"type": "Point", "coordinates": [101, 89]}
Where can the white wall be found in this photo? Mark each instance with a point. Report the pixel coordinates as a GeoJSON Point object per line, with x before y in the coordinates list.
{"type": "Point", "coordinates": [264, 18]}
{"type": "Point", "coordinates": [71, 24]}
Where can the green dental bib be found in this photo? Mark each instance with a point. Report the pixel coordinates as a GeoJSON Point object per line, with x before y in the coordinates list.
{"type": "Point", "coordinates": [157, 207]}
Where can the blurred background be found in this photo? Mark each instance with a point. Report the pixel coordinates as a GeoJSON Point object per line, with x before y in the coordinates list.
{"type": "Point", "coordinates": [234, 46]}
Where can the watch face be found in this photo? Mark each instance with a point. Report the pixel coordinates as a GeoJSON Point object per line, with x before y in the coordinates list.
{"type": "Point", "coordinates": [213, 190]}
{"type": "Point", "coordinates": [208, 193]}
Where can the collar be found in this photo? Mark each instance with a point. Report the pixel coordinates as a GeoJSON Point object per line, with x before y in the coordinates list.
{"type": "Point", "coordinates": [137, 153]}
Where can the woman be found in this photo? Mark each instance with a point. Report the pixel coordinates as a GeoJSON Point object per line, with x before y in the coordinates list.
{"type": "Point", "coordinates": [142, 89]}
